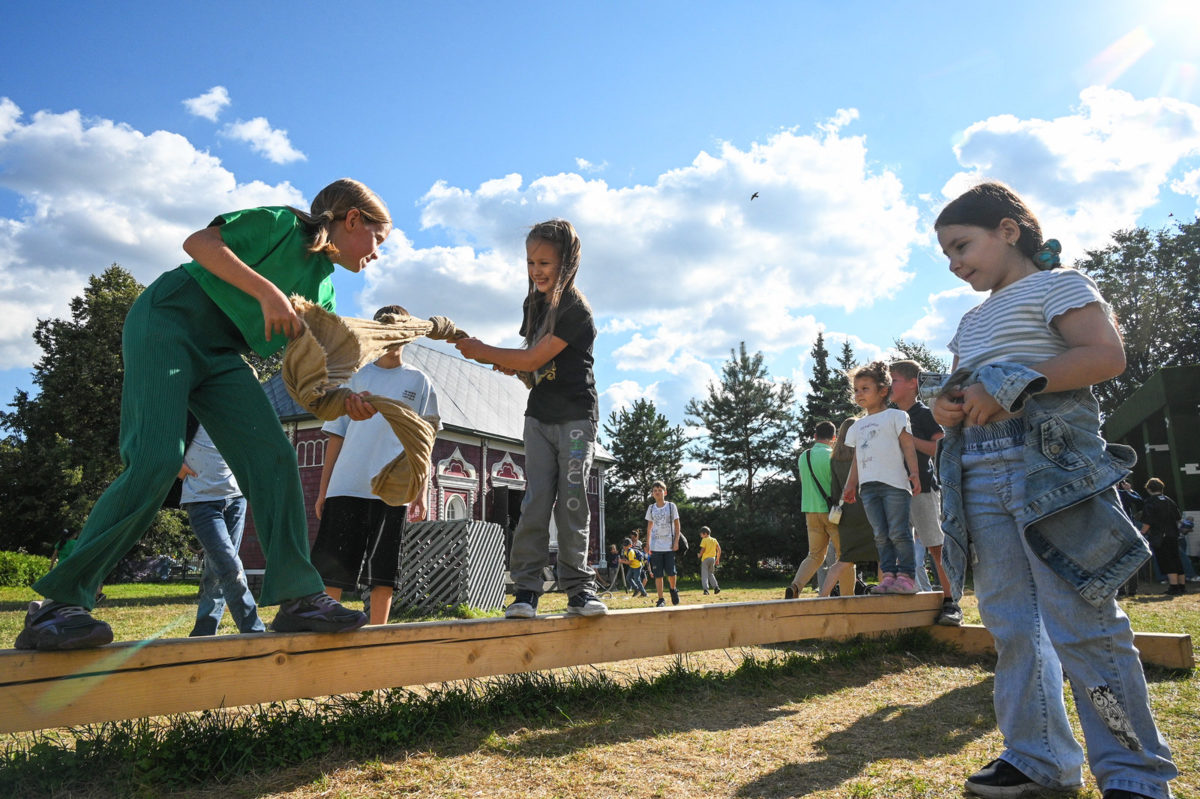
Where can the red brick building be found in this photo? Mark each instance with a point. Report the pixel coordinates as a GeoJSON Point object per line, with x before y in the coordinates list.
{"type": "Point", "coordinates": [478, 464]}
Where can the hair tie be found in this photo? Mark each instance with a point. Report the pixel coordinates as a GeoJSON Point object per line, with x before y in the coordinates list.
{"type": "Point", "coordinates": [1047, 256]}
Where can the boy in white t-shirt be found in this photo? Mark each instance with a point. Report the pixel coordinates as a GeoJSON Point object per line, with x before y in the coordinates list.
{"type": "Point", "coordinates": [360, 532]}
{"type": "Point", "coordinates": [662, 540]}
{"type": "Point", "coordinates": [885, 465]}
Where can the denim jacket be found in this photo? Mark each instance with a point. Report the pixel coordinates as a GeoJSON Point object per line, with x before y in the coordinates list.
{"type": "Point", "coordinates": [1072, 518]}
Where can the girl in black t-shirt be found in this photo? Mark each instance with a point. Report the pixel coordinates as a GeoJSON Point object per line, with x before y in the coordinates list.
{"type": "Point", "coordinates": [560, 421]}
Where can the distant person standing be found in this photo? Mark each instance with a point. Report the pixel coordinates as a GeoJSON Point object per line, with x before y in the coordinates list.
{"type": "Point", "coordinates": [662, 538]}
{"type": "Point", "coordinates": [1160, 525]}
{"type": "Point", "coordinates": [216, 512]}
{"type": "Point", "coordinates": [925, 509]}
{"type": "Point", "coordinates": [710, 559]}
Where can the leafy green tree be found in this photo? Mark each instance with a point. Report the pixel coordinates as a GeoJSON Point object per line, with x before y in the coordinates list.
{"type": "Point", "coordinates": [919, 352]}
{"type": "Point", "coordinates": [1152, 281]}
{"type": "Point", "coordinates": [61, 447]}
{"type": "Point", "coordinates": [647, 447]}
{"type": "Point", "coordinates": [750, 425]}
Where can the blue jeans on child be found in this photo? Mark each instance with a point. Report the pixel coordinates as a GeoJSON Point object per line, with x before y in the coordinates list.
{"type": "Point", "coordinates": [887, 510]}
{"type": "Point", "coordinates": [635, 581]}
{"type": "Point", "coordinates": [218, 525]}
{"type": "Point", "coordinates": [1042, 627]}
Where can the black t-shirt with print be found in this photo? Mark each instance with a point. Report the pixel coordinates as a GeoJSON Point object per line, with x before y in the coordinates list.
{"type": "Point", "coordinates": [924, 427]}
{"type": "Point", "coordinates": [565, 389]}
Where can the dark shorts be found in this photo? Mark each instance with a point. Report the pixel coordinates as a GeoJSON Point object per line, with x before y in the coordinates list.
{"type": "Point", "coordinates": [359, 536]}
{"type": "Point", "coordinates": [662, 564]}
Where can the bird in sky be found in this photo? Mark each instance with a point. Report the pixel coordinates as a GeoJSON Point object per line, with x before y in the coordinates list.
{"type": "Point", "coordinates": [754, 196]}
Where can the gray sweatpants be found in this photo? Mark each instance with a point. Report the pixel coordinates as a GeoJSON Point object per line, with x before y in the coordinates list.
{"type": "Point", "coordinates": [558, 458]}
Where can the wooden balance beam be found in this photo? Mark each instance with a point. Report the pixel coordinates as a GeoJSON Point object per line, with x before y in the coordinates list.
{"type": "Point", "coordinates": [39, 690]}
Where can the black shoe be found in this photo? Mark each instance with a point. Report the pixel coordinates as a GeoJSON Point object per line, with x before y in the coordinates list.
{"type": "Point", "coordinates": [717, 590]}
{"type": "Point", "coordinates": [790, 592]}
{"type": "Point", "coordinates": [706, 592]}
{"type": "Point", "coordinates": [674, 596]}
{"type": "Point", "coordinates": [1001, 779]}
{"type": "Point", "coordinates": [951, 614]}
{"type": "Point", "coordinates": [1121, 793]}
{"type": "Point", "coordinates": [585, 603]}
{"type": "Point", "coordinates": [860, 588]}
{"type": "Point", "coordinates": [55, 626]}
{"type": "Point", "coordinates": [524, 606]}
{"type": "Point", "coordinates": [316, 613]}
{"type": "Point", "coordinates": [660, 603]}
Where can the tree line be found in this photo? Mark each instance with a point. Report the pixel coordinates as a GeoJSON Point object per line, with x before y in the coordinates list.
{"type": "Point", "coordinates": [59, 449]}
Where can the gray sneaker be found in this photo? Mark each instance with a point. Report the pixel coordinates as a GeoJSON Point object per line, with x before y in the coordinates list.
{"type": "Point", "coordinates": [585, 603]}
{"type": "Point", "coordinates": [524, 606]}
{"type": "Point", "coordinates": [316, 613]}
{"type": "Point", "coordinates": [54, 626]}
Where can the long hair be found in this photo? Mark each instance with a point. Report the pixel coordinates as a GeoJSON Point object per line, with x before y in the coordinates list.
{"type": "Point", "coordinates": [561, 234]}
{"type": "Point", "coordinates": [333, 203]}
{"type": "Point", "coordinates": [842, 452]}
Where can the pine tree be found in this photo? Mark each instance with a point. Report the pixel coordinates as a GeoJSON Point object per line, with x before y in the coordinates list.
{"type": "Point", "coordinates": [750, 423]}
{"type": "Point", "coordinates": [647, 447]}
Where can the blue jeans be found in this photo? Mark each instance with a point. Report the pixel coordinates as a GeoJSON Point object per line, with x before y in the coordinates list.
{"type": "Point", "coordinates": [1042, 627]}
{"type": "Point", "coordinates": [635, 581]}
{"type": "Point", "coordinates": [218, 525]}
{"type": "Point", "coordinates": [887, 510]}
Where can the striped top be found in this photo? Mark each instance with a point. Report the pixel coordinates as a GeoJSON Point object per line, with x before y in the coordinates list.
{"type": "Point", "coordinates": [1013, 324]}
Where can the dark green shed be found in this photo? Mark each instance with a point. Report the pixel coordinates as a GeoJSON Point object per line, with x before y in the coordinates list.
{"type": "Point", "coordinates": [1161, 420]}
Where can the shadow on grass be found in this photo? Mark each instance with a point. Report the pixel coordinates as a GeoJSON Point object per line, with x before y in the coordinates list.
{"type": "Point", "coordinates": [757, 692]}
{"type": "Point", "coordinates": [940, 727]}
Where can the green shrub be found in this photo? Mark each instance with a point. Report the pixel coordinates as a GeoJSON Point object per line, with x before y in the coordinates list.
{"type": "Point", "coordinates": [21, 570]}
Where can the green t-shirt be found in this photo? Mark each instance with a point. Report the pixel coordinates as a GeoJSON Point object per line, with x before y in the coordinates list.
{"type": "Point", "coordinates": [272, 242]}
{"type": "Point", "coordinates": [811, 500]}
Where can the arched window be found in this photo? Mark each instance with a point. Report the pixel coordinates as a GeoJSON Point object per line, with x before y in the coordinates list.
{"type": "Point", "coordinates": [456, 508]}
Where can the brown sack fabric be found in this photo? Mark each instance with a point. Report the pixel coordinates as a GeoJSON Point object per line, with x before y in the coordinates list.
{"type": "Point", "coordinates": [330, 350]}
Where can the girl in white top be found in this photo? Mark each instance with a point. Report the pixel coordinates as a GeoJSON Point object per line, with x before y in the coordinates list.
{"type": "Point", "coordinates": [885, 466]}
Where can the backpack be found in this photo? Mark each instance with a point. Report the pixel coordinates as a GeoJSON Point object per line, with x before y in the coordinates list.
{"type": "Point", "coordinates": [683, 546]}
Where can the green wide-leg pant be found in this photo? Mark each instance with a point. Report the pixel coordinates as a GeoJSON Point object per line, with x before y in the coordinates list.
{"type": "Point", "coordinates": [181, 351]}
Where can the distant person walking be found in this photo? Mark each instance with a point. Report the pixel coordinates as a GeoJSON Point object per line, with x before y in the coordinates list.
{"type": "Point", "coordinates": [816, 498]}
{"type": "Point", "coordinates": [710, 559]}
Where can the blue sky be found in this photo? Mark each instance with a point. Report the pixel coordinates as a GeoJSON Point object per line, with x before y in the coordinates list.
{"type": "Point", "coordinates": [649, 125]}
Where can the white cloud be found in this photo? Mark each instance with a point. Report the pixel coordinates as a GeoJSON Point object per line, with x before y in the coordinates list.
{"type": "Point", "coordinates": [585, 165]}
{"type": "Point", "coordinates": [1087, 174]}
{"type": "Point", "coordinates": [93, 192]}
{"type": "Point", "coordinates": [265, 140]}
{"type": "Point", "coordinates": [940, 320]}
{"type": "Point", "coordinates": [688, 260]}
{"type": "Point", "coordinates": [208, 105]}
{"type": "Point", "coordinates": [1188, 184]}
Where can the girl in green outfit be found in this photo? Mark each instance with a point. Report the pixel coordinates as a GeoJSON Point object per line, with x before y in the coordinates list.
{"type": "Point", "coordinates": [182, 344]}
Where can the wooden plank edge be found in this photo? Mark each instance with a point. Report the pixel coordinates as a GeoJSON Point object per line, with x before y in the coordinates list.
{"type": "Point", "coordinates": [1169, 650]}
{"type": "Point", "coordinates": [387, 656]}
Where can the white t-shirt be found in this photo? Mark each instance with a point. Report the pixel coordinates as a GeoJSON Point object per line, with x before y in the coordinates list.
{"type": "Point", "coordinates": [370, 444]}
{"type": "Point", "coordinates": [876, 442]}
{"type": "Point", "coordinates": [662, 533]}
{"type": "Point", "coordinates": [1013, 324]}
